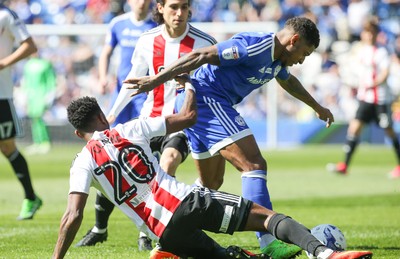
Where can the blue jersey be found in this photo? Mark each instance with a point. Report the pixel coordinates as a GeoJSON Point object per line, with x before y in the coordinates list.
{"type": "Point", "coordinates": [125, 32]}
{"type": "Point", "coordinates": [247, 63]}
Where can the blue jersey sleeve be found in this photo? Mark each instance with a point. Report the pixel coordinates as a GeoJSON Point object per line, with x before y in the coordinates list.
{"type": "Point", "coordinates": [232, 52]}
{"type": "Point", "coordinates": [283, 74]}
{"type": "Point", "coordinates": [251, 49]}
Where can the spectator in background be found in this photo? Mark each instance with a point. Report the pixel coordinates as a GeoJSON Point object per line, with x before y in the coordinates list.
{"type": "Point", "coordinates": [13, 31]}
{"type": "Point", "coordinates": [204, 10]}
{"type": "Point", "coordinates": [357, 12]}
{"type": "Point", "coordinates": [39, 84]}
{"type": "Point", "coordinates": [373, 94]}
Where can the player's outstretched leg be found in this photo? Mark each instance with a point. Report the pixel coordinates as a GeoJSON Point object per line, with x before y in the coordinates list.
{"type": "Point", "coordinates": [240, 253]}
{"type": "Point", "coordinates": [329, 254]}
{"type": "Point", "coordinates": [254, 188]}
{"type": "Point", "coordinates": [288, 230]}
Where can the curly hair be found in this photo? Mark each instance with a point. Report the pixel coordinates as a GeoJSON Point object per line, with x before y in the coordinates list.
{"type": "Point", "coordinates": [305, 28]}
{"type": "Point", "coordinates": [82, 111]}
{"type": "Point", "coordinates": [158, 17]}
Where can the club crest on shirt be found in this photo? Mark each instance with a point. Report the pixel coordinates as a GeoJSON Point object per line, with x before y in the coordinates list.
{"type": "Point", "coordinates": [230, 53]}
{"type": "Point", "coordinates": [240, 121]}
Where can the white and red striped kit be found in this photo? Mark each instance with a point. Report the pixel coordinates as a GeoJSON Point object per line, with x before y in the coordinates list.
{"type": "Point", "coordinates": [372, 60]}
{"type": "Point", "coordinates": [154, 51]}
{"type": "Point", "coordinates": [120, 164]}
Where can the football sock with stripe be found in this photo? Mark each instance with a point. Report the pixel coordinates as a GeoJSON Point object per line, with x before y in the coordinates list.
{"type": "Point", "coordinates": [21, 170]}
{"type": "Point", "coordinates": [254, 188]}
{"type": "Point", "coordinates": [103, 209]}
{"type": "Point", "coordinates": [292, 232]}
{"type": "Point", "coordinates": [349, 148]}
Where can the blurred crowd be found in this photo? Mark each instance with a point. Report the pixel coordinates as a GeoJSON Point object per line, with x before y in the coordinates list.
{"type": "Point", "coordinates": [327, 73]}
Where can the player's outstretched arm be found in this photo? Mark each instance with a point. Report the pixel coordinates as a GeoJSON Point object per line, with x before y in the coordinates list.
{"type": "Point", "coordinates": [187, 116]}
{"type": "Point", "coordinates": [185, 64]}
{"type": "Point", "coordinates": [70, 223]}
{"type": "Point", "coordinates": [297, 90]}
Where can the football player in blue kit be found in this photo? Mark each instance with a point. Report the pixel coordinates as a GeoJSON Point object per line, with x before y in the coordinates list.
{"type": "Point", "coordinates": [227, 72]}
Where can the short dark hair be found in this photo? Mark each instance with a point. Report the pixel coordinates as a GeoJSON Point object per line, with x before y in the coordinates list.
{"type": "Point", "coordinates": [82, 111]}
{"type": "Point", "coordinates": [305, 28]}
{"type": "Point", "coordinates": [158, 17]}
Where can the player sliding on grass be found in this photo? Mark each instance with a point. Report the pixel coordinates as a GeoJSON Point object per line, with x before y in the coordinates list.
{"type": "Point", "coordinates": [227, 72]}
{"type": "Point", "coordinates": [154, 50]}
{"type": "Point", "coordinates": [120, 164]}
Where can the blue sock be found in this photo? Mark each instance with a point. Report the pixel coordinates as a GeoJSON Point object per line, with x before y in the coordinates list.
{"type": "Point", "coordinates": [254, 188]}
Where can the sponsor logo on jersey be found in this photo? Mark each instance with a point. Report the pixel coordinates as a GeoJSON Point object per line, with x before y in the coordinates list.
{"type": "Point", "coordinates": [265, 70]}
{"type": "Point", "coordinates": [257, 81]}
{"type": "Point", "coordinates": [230, 53]}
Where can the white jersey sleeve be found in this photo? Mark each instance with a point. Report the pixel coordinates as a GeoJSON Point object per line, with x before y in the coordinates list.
{"type": "Point", "coordinates": [120, 163]}
{"type": "Point", "coordinates": [18, 28]}
{"type": "Point", "coordinates": [12, 30]}
{"type": "Point", "coordinates": [147, 127]}
{"type": "Point", "coordinates": [139, 68]}
{"type": "Point", "coordinates": [80, 173]}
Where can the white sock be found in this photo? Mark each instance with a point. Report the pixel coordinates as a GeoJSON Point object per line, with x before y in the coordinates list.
{"type": "Point", "coordinates": [325, 254]}
{"type": "Point", "coordinates": [142, 234]}
{"type": "Point", "coordinates": [98, 230]}
{"type": "Point", "coordinates": [198, 182]}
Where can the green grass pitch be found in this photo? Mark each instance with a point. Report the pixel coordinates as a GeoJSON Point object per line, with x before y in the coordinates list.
{"type": "Point", "coordinates": [365, 204]}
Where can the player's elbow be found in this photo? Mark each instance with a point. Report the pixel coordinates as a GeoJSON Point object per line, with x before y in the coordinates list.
{"type": "Point", "coordinates": [189, 119]}
{"type": "Point", "coordinates": [192, 118]}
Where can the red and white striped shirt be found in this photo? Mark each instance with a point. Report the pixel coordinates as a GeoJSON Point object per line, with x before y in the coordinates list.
{"type": "Point", "coordinates": [120, 164]}
{"type": "Point", "coordinates": [154, 51]}
{"type": "Point", "coordinates": [372, 60]}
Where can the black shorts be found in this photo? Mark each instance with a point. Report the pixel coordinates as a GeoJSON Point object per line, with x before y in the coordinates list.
{"type": "Point", "coordinates": [204, 209]}
{"type": "Point", "coordinates": [380, 114]}
{"type": "Point", "coordinates": [176, 140]}
{"type": "Point", "coordinates": [10, 125]}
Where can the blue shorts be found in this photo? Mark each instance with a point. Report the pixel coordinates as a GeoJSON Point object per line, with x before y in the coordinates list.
{"type": "Point", "coordinates": [130, 111]}
{"type": "Point", "coordinates": [218, 125]}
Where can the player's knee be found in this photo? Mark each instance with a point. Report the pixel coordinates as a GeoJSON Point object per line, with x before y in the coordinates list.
{"type": "Point", "coordinates": [213, 183]}
{"type": "Point", "coordinates": [7, 148]}
{"type": "Point", "coordinates": [258, 163]}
